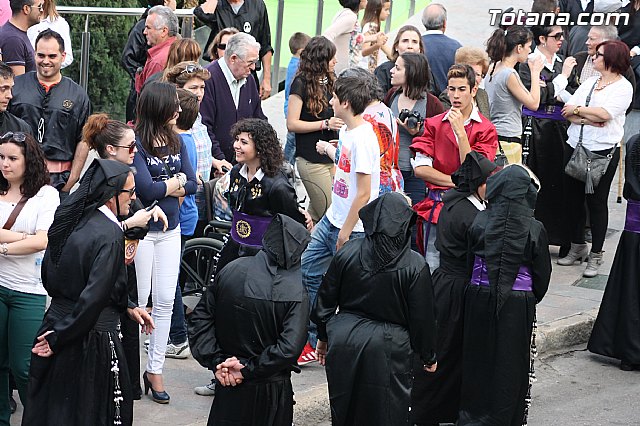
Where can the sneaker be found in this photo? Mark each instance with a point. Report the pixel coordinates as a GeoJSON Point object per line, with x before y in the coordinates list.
{"type": "Point", "coordinates": [181, 351]}
{"type": "Point", "coordinates": [206, 390]}
{"type": "Point", "coordinates": [308, 355]}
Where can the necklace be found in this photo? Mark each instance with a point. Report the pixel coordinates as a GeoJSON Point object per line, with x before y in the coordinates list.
{"type": "Point", "coordinates": [605, 84]}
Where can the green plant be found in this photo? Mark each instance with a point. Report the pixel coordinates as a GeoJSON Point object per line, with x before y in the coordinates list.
{"type": "Point", "coordinates": [108, 84]}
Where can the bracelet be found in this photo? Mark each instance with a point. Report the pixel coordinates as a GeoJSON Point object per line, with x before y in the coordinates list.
{"type": "Point", "coordinates": [326, 124]}
{"type": "Point", "coordinates": [4, 249]}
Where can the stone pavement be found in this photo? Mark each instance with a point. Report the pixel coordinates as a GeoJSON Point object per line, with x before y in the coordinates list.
{"type": "Point", "coordinates": [565, 316]}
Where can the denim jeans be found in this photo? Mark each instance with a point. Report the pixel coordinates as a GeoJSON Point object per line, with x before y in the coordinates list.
{"type": "Point", "coordinates": [431, 253]}
{"type": "Point", "coordinates": [178, 330]}
{"type": "Point", "coordinates": [315, 262]}
{"type": "Point", "coordinates": [290, 148]}
{"type": "Point", "coordinates": [21, 315]}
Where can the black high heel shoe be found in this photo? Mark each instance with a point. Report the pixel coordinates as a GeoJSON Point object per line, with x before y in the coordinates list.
{"type": "Point", "coordinates": [159, 397]}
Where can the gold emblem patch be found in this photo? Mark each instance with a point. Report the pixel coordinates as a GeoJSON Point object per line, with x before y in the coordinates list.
{"type": "Point", "coordinates": [67, 104]}
{"type": "Point", "coordinates": [243, 228]}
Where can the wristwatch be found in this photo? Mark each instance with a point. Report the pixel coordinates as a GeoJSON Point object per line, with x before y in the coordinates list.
{"type": "Point", "coordinates": [576, 110]}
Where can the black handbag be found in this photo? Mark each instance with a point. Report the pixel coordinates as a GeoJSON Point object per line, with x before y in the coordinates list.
{"type": "Point", "coordinates": [586, 166]}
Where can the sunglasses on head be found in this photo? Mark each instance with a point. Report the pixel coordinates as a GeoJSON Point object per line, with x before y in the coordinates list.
{"type": "Point", "coordinates": [131, 147]}
{"type": "Point", "coordinates": [191, 68]}
{"type": "Point", "coordinates": [557, 36]}
{"type": "Point", "coordinates": [18, 137]}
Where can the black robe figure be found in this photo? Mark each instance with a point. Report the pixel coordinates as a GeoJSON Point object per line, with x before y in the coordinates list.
{"type": "Point", "coordinates": [616, 332]}
{"type": "Point", "coordinates": [254, 204]}
{"type": "Point", "coordinates": [85, 380]}
{"type": "Point", "coordinates": [546, 132]}
{"type": "Point", "coordinates": [383, 292]}
{"type": "Point", "coordinates": [435, 397]}
{"type": "Point", "coordinates": [511, 268]}
{"type": "Point", "coordinates": [256, 310]}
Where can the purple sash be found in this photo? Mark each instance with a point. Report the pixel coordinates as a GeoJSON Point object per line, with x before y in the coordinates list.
{"type": "Point", "coordinates": [632, 224]}
{"type": "Point", "coordinates": [551, 112]}
{"type": "Point", "coordinates": [480, 276]}
{"type": "Point", "coordinates": [248, 230]}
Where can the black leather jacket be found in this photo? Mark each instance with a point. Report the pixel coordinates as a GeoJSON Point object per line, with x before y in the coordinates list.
{"type": "Point", "coordinates": [134, 54]}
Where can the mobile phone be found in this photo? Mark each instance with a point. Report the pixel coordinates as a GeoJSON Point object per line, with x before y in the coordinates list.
{"type": "Point", "coordinates": [155, 203]}
{"type": "Point", "coordinates": [225, 169]}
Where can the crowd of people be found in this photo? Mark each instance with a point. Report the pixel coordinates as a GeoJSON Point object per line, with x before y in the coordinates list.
{"type": "Point", "coordinates": [438, 175]}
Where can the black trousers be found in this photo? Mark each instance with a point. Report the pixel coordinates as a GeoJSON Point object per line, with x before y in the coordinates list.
{"type": "Point", "coordinates": [575, 214]}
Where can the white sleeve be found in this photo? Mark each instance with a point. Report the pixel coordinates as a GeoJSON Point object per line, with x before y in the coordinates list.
{"type": "Point", "coordinates": [343, 23]}
{"type": "Point", "coordinates": [618, 100]}
{"type": "Point", "coordinates": [47, 207]}
{"type": "Point", "coordinates": [366, 153]}
{"type": "Point", "coordinates": [636, 49]}
{"type": "Point", "coordinates": [559, 84]}
{"type": "Point", "coordinates": [421, 160]}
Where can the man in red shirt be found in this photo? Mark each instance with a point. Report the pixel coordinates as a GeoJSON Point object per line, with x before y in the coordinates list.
{"type": "Point", "coordinates": [447, 139]}
{"type": "Point", "coordinates": [161, 29]}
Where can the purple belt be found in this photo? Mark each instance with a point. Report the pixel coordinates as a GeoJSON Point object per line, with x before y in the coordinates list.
{"type": "Point", "coordinates": [480, 276]}
{"type": "Point", "coordinates": [248, 230]}
{"type": "Point", "coordinates": [552, 112]}
{"type": "Point", "coordinates": [632, 224]}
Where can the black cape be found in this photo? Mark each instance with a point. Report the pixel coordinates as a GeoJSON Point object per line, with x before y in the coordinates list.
{"type": "Point", "coordinates": [256, 310]}
{"type": "Point", "coordinates": [616, 332]}
{"type": "Point", "coordinates": [385, 315]}
{"type": "Point", "coordinates": [75, 386]}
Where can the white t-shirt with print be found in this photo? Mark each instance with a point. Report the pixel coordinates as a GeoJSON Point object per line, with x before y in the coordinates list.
{"type": "Point", "coordinates": [22, 272]}
{"type": "Point", "coordinates": [358, 152]}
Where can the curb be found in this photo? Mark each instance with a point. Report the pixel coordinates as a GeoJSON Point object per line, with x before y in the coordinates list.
{"type": "Point", "coordinates": [565, 332]}
{"type": "Point", "coordinates": [312, 407]}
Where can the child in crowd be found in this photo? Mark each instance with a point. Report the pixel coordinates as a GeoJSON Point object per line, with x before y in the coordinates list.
{"type": "Point", "coordinates": [297, 43]}
{"type": "Point", "coordinates": [356, 183]}
{"type": "Point", "coordinates": [376, 12]}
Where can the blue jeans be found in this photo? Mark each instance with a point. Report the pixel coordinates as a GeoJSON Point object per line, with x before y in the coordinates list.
{"type": "Point", "coordinates": [416, 189]}
{"type": "Point", "coordinates": [290, 148]}
{"type": "Point", "coordinates": [178, 330]}
{"type": "Point", "coordinates": [315, 262]}
{"type": "Point", "coordinates": [431, 253]}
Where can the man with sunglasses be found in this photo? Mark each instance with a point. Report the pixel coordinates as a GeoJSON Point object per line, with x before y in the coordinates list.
{"type": "Point", "coordinates": [56, 108]}
{"type": "Point", "coordinates": [16, 48]}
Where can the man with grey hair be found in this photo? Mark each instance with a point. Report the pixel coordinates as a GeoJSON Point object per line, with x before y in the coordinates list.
{"type": "Point", "coordinates": [229, 95]}
{"type": "Point", "coordinates": [161, 30]}
{"type": "Point", "coordinates": [439, 49]}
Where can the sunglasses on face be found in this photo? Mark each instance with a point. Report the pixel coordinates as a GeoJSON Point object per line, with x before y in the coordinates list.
{"type": "Point", "coordinates": [557, 36]}
{"type": "Point", "coordinates": [191, 68]}
{"type": "Point", "coordinates": [131, 147]}
{"type": "Point", "coordinates": [222, 46]}
{"type": "Point", "coordinates": [18, 137]}
{"type": "Point", "coordinates": [130, 191]}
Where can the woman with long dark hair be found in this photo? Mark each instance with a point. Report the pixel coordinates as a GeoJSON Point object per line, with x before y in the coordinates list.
{"type": "Point", "coordinates": [412, 77]}
{"type": "Point", "coordinates": [311, 118]}
{"type": "Point", "coordinates": [596, 112]}
{"type": "Point", "coordinates": [507, 94]}
{"type": "Point", "coordinates": [164, 174]}
{"type": "Point", "coordinates": [546, 129]}
{"type": "Point", "coordinates": [27, 205]}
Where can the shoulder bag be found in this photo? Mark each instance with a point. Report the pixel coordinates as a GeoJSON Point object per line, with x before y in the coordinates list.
{"type": "Point", "coordinates": [14, 213]}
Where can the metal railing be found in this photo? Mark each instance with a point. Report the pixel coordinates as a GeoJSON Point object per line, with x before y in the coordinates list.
{"type": "Point", "coordinates": [187, 31]}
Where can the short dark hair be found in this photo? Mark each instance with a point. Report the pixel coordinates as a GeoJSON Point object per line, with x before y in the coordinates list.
{"type": "Point", "coordinates": [35, 171]}
{"type": "Point", "coordinates": [354, 90]}
{"type": "Point", "coordinates": [189, 106]}
{"type": "Point", "coordinates": [6, 71]}
{"type": "Point", "coordinates": [351, 4]}
{"type": "Point", "coordinates": [298, 41]}
{"type": "Point", "coordinates": [616, 56]}
{"type": "Point", "coordinates": [375, 91]}
{"type": "Point", "coordinates": [544, 6]}
{"type": "Point", "coordinates": [462, 71]}
{"type": "Point", "coordinates": [266, 141]}
{"type": "Point", "coordinates": [416, 72]}
{"type": "Point", "coordinates": [50, 34]}
{"type": "Point", "coordinates": [17, 5]}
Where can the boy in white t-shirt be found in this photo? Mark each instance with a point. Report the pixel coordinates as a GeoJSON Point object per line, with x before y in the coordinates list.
{"type": "Point", "coordinates": [356, 183]}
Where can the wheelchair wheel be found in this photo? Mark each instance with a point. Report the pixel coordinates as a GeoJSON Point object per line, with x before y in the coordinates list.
{"type": "Point", "coordinates": [197, 264]}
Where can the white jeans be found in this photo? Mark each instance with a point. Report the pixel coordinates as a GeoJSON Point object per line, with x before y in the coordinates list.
{"type": "Point", "coordinates": [158, 261]}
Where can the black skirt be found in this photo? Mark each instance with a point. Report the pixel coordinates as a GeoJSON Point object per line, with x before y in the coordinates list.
{"type": "Point", "coordinates": [435, 397]}
{"type": "Point", "coordinates": [616, 332]}
{"type": "Point", "coordinates": [496, 358]}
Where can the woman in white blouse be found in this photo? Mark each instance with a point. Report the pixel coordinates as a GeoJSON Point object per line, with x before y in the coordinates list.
{"type": "Point", "coordinates": [599, 123]}
{"type": "Point", "coordinates": [51, 19]}
{"type": "Point", "coordinates": [23, 182]}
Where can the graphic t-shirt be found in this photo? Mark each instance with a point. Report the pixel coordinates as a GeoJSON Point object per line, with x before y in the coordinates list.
{"type": "Point", "coordinates": [358, 152]}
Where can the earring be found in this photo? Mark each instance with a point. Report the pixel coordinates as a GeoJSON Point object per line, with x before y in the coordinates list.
{"type": "Point", "coordinates": [544, 44]}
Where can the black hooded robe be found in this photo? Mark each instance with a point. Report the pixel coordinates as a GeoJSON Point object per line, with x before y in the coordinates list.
{"type": "Point", "coordinates": [616, 332]}
{"type": "Point", "coordinates": [384, 317]}
{"type": "Point", "coordinates": [256, 310]}
{"type": "Point", "coordinates": [498, 321]}
{"type": "Point", "coordinates": [75, 386]}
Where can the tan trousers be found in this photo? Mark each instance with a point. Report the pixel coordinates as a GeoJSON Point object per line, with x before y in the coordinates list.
{"type": "Point", "coordinates": [317, 179]}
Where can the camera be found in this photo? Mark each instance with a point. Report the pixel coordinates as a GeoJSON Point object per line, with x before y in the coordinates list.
{"type": "Point", "coordinates": [414, 119]}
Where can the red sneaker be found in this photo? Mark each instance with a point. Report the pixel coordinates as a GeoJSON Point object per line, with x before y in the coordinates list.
{"type": "Point", "coordinates": [308, 355]}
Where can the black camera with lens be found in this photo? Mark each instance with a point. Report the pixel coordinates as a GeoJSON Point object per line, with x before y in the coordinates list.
{"type": "Point", "coordinates": [414, 119]}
